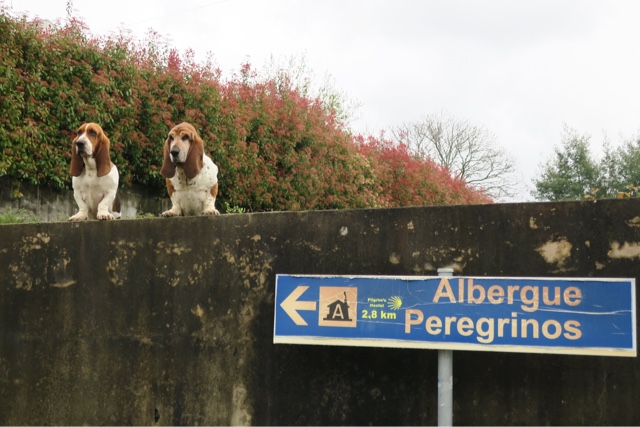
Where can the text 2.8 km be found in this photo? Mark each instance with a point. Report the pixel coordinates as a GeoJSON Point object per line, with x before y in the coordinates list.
{"type": "Point", "coordinates": [375, 314]}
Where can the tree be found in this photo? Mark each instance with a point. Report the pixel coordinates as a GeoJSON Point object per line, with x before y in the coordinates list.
{"type": "Point", "coordinates": [470, 152]}
{"type": "Point", "coordinates": [69, 9]}
{"type": "Point", "coordinates": [624, 171]}
{"type": "Point", "coordinates": [293, 73]}
{"type": "Point", "coordinates": [572, 172]}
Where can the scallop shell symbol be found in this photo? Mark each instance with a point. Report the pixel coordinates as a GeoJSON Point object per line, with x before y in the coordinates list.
{"type": "Point", "coordinates": [394, 303]}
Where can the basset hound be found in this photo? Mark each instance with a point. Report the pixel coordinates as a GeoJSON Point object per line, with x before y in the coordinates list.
{"type": "Point", "coordinates": [94, 177]}
{"type": "Point", "coordinates": [191, 176]}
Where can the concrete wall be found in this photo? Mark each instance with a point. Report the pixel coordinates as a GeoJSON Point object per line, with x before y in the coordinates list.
{"type": "Point", "coordinates": [170, 321]}
{"type": "Point", "coordinates": [46, 204]}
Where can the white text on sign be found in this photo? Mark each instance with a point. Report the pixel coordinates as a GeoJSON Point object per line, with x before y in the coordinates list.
{"type": "Point", "coordinates": [487, 328]}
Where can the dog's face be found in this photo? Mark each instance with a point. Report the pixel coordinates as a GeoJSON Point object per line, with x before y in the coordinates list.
{"type": "Point", "coordinates": [183, 148]}
{"type": "Point", "coordinates": [90, 142]}
{"type": "Point", "coordinates": [89, 136]}
{"type": "Point", "coordinates": [179, 142]}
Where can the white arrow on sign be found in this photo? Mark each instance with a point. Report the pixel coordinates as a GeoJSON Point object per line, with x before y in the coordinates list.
{"type": "Point", "coordinates": [291, 305]}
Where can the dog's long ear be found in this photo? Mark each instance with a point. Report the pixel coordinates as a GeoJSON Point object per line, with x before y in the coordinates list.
{"type": "Point", "coordinates": [77, 164]}
{"type": "Point", "coordinates": [103, 160]}
{"type": "Point", "coordinates": [194, 162]}
{"type": "Point", "coordinates": [168, 168]}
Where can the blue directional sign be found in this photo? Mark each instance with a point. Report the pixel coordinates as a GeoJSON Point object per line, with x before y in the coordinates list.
{"type": "Point", "coordinates": [529, 315]}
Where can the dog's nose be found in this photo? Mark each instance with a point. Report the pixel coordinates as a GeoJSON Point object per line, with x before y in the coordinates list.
{"type": "Point", "coordinates": [175, 152]}
{"type": "Point", "coordinates": [80, 144]}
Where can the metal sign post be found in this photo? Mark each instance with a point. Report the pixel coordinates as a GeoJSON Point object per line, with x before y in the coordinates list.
{"type": "Point", "coordinates": [445, 376]}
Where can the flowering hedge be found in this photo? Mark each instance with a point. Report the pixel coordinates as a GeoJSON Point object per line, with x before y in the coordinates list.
{"type": "Point", "coordinates": [276, 148]}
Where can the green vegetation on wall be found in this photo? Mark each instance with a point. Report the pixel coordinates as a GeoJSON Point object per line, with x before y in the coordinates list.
{"type": "Point", "coordinates": [277, 149]}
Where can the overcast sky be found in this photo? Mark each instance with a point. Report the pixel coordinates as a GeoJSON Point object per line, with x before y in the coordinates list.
{"type": "Point", "coordinates": [520, 68]}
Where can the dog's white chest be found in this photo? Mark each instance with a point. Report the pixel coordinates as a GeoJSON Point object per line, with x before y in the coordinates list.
{"type": "Point", "coordinates": [92, 189]}
{"type": "Point", "coordinates": [192, 194]}
{"type": "Point", "coordinates": [93, 186]}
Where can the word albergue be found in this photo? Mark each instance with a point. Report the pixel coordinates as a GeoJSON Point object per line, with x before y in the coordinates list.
{"type": "Point", "coordinates": [529, 298]}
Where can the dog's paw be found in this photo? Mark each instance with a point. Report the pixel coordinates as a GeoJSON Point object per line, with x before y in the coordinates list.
{"type": "Point", "coordinates": [170, 213]}
{"type": "Point", "coordinates": [102, 215]}
{"type": "Point", "coordinates": [213, 211]}
{"type": "Point", "coordinates": [78, 217]}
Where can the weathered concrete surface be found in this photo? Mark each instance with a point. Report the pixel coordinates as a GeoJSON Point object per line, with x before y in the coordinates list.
{"type": "Point", "coordinates": [170, 321]}
{"type": "Point", "coordinates": [47, 204]}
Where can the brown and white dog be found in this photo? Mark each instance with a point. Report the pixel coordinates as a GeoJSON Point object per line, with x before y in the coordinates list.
{"type": "Point", "coordinates": [191, 176]}
{"type": "Point", "coordinates": [94, 177]}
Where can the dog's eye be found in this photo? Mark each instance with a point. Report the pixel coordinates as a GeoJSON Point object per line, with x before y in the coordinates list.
{"type": "Point", "coordinates": [170, 137]}
{"type": "Point", "coordinates": [185, 138]}
{"type": "Point", "coordinates": [92, 133]}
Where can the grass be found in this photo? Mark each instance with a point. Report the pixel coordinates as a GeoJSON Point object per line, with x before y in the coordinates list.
{"type": "Point", "coordinates": [143, 215]}
{"type": "Point", "coordinates": [233, 209]}
{"type": "Point", "coordinates": [17, 216]}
